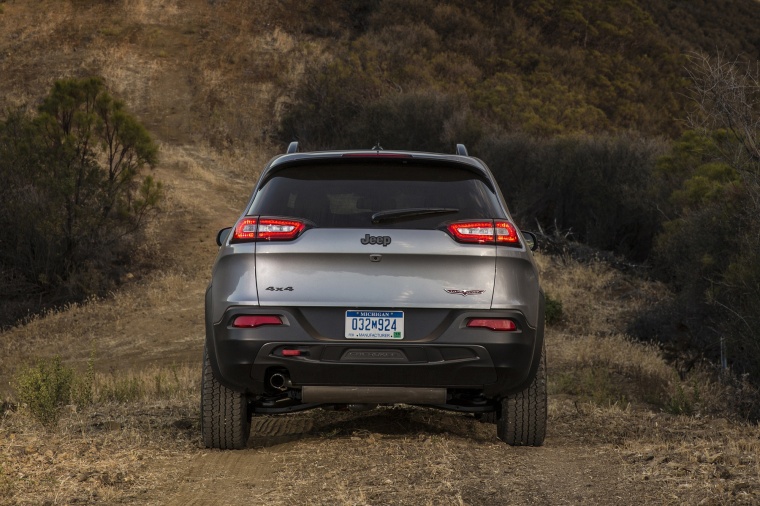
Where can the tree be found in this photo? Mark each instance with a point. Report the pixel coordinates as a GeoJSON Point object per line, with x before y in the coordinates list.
{"type": "Point", "coordinates": [75, 200]}
{"type": "Point", "coordinates": [710, 245]}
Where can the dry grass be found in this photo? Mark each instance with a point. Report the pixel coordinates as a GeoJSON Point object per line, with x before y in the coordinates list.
{"type": "Point", "coordinates": [596, 299]}
{"type": "Point", "coordinates": [96, 456]}
{"type": "Point", "coordinates": [686, 459]}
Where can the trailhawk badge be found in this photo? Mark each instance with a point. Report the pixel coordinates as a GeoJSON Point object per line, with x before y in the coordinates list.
{"type": "Point", "coordinates": [463, 293]}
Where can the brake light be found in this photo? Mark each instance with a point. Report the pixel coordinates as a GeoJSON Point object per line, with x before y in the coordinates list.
{"type": "Point", "coordinates": [485, 232]}
{"type": "Point", "coordinates": [253, 321]}
{"type": "Point", "coordinates": [496, 324]}
{"type": "Point", "coordinates": [377, 155]}
{"type": "Point", "coordinates": [266, 229]}
{"type": "Point", "coordinates": [506, 233]}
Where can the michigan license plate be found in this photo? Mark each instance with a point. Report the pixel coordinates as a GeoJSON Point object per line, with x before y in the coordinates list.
{"type": "Point", "coordinates": [374, 324]}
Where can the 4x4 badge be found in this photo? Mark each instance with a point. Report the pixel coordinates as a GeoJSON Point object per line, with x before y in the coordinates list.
{"type": "Point", "coordinates": [463, 293]}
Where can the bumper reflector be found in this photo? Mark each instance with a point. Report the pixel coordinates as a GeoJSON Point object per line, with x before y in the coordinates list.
{"type": "Point", "coordinates": [497, 324]}
{"type": "Point", "coordinates": [253, 321]}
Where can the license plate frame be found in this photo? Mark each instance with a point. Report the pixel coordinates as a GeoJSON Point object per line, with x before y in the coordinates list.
{"type": "Point", "coordinates": [374, 324]}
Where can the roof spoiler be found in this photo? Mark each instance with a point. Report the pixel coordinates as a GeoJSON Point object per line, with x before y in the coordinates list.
{"type": "Point", "coordinates": [293, 148]}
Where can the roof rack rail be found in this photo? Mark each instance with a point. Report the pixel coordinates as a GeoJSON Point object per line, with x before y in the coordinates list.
{"type": "Point", "coordinates": [293, 147]}
{"type": "Point", "coordinates": [461, 150]}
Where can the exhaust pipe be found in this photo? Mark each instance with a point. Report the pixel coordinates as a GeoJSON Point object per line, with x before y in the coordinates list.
{"type": "Point", "coordinates": [280, 381]}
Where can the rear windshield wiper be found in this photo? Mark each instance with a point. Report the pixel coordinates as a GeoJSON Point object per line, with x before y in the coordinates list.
{"type": "Point", "coordinates": [396, 214]}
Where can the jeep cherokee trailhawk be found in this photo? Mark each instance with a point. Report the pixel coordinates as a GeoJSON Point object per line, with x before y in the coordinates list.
{"type": "Point", "coordinates": [357, 278]}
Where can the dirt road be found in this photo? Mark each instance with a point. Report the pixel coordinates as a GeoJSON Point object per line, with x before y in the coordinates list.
{"type": "Point", "coordinates": [402, 455]}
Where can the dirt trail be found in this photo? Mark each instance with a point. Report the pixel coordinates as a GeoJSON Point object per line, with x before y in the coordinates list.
{"type": "Point", "coordinates": [404, 455]}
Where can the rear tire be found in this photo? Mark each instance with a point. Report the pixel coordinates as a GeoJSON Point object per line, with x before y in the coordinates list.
{"type": "Point", "coordinates": [225, 423]}
{"type": "Point", "coordinates": [522, 416]}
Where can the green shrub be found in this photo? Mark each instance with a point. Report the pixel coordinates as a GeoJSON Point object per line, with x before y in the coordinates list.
{"type": "Point", "coordinates": [45, 388]}
{"type": "Point", "coordinates": [684, 401]}
{"type": "Point", "coordinates": [553, 310]}
{"type": "Point", "coordinates": [82, 386]}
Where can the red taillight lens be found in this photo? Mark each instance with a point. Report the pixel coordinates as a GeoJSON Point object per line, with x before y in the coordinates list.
{"type": "Point", "coordinates": [498, 324]}
{"type": "Point", "coordinates": [266, 229]}
{"type": "Point", "coordinates": [271, 229]}
{"type": "Point", "coordinates": [253, 321]}
{"type": "Point", "coordinates": [485, 232]}
{"type": "Point", "coordinates": [506, 233]}
{"type": "Point", "coordinates": [473, 231]}
{"type": "Point", "coordinates": [245, 230]}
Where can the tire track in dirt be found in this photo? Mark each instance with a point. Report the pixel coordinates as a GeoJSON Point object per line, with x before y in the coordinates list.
{"type": "Point", "coordinates": [240, 477]}
{"type": "Point", "coordinates": [219, 477]}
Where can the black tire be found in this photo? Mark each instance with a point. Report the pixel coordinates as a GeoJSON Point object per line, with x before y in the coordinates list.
{"type": "Point", "coordinates": [225, 423]}
{"type": "Point", "coordinates": [522, 417]}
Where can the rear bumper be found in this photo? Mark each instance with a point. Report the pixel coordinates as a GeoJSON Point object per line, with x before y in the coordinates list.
{"type": "Point", "coordinates": [450, 356]}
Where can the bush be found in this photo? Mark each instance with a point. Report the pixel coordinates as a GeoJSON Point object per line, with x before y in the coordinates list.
{"type": "Point", "coordinates": [553, 310]}
{"type": "Point", "coordinates": [708, 252]}
{"type": "Point", "coordinates": [73, 201]}
{"type": "Point", "coordinates": [45, 388]}
{"type": "Point", "coordinates": [594, 187]}
{"type": "Point", "coordinates": [82, 388]}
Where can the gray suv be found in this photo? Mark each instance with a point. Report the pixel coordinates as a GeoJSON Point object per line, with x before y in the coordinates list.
{"type": "Point", "coordinates": [357, 278]}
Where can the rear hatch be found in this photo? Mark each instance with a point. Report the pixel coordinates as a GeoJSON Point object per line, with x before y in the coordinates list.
{"type": "Point", "coordinates": [376, 237]}
{"type": "Point", "coordinates": [333, 267]}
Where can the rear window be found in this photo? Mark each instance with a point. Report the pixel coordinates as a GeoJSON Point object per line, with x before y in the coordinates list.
{"type": "Point", "coordinates": [348, 195]}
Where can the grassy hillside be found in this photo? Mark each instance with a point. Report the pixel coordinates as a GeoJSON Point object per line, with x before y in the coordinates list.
{"type": "Point", "coordinates": [193, 71]}
{"type": "Point", "coordinates": [223, 72]}
{"type": "Point", "coordinates": [543, 68]}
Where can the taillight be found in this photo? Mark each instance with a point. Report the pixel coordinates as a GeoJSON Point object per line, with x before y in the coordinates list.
{"type": "Point", "coordinates": [245, 230]}
{"type": "Point", "coordinates": [497, 324]}
{"type": "Point", "coordinates": [266, 229]}
{"type": "Point", "coordinates": [485, 232]}
{"type": "Point", "coordinates": [506, 233]}
{"type": "Point", "coordinates": [473, 231]}
{"type": "Point", "coordinates": [253, 321]}
{"type": "Point", "coordinates": [271, 229]}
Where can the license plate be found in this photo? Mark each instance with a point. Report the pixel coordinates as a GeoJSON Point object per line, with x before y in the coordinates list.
{"type": "Point", "coordinates": [374, 324]}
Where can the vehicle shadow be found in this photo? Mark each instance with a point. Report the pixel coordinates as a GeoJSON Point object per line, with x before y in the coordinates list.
{"type": "Point", "coordinates": [385, 421]}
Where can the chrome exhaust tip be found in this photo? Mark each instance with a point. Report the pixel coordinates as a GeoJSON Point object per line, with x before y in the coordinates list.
{"type": "Point", "coordinates": [280, 382]}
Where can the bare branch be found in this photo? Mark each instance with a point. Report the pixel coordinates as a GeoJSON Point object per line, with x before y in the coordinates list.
{"type": "Point", "coordinates": [726, 94]}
